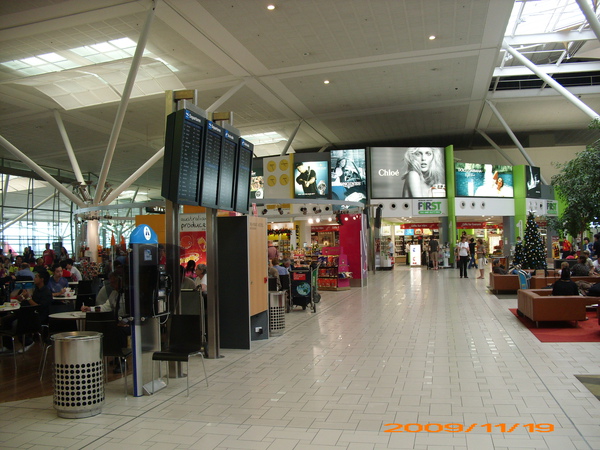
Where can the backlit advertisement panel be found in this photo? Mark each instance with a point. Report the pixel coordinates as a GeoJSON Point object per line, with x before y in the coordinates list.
{"type": "Point", "coordinates": [483, 180]}
{"type": "Point", "coordinates": [407, 172]}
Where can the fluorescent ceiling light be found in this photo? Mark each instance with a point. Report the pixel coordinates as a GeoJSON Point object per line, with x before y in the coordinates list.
{"type": "Point", "coordinates": [102, 52]}
{"type": "Point", "coordinates": [264, 138]}
{"type": "Point", "coordinates": [104, 83]}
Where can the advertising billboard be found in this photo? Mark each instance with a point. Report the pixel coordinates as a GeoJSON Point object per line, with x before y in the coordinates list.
{"type": "Point", "coordinates": [311, 179]}
{"type": "Point", "coordinates": [483, 180]}
{"type": "Point", "coordinates": [407, 172]}
{"type": "Point", "coordinates": [349, 175]}
{"type": "Point", "coordinates": [533, 177]}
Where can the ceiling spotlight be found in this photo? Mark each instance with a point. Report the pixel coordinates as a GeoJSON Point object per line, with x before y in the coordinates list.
{"type": "Point", "coordinates": [329, 219]}
{"type": "Point", "coordinates": [326, 82]}
{"type": "Point", "coordinates": [317, 220]}
{"type": "Point", "coordinates": [264, 211]}
{"type": "Point", "coordinates": [432, 37]}
{"type": "Point", "coordinates": [310, 221]}
{"type": "Point", "coordinates": [280, 209]}
{"type": "Point", "coordinates": [270, 7]}
{"type": "Point", "coordinates": [303, 210]}
{"type": "Point", "coordinates": [317, 210]}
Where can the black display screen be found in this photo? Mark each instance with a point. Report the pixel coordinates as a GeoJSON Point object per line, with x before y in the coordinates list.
{"type": "Point", "coordinates": [210, 167]}
{"type": "Point", "coordinates": [227, 171]}
{"type": "Point", "coordinates": [242, 185]}
{"type": "Point", "coordinates": [183, 148]}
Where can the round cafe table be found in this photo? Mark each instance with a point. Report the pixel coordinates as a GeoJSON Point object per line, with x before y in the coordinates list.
{"type": "Point", "coordinates": [78, 316]}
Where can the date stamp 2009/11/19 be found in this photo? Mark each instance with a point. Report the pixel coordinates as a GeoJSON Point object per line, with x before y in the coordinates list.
{"type": "Point", "coordinates": [460, 428]}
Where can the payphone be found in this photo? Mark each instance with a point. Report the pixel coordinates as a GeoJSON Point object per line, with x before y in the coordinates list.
{"type": "Point", "coordinates": [149, 289]}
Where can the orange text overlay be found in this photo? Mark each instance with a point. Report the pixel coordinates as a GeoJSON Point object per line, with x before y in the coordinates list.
{"type": "Point", "coordinates": [460, 428]}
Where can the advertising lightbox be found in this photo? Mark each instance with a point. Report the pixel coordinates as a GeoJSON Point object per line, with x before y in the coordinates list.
{"type": "Point", "coordinates": [407, 172]}
{"type": "Point", "coordinates": [483, 180]}
{"type": "Point", "coordinates": [349, 175]}
{"type": "Point", "coordinates": [533, 177]}
{"type": "Point", "coordinates": [311, 179]}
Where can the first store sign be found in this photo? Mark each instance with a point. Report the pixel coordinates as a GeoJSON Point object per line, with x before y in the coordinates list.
{"type": "Point", "coordinates": [429, 207]}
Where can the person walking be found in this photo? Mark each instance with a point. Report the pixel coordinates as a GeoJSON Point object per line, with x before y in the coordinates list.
{"type": "Point", "coordinates": [462, 251]}
{"type": "Point", "coordinates": [480, 252]}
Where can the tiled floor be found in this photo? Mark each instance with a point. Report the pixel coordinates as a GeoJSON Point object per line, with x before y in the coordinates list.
{"type": "Point", "coordinates": [414, 347]}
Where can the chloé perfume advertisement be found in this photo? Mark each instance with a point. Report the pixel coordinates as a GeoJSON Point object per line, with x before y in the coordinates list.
{"type": "Point", "coordinates": [407, 172]}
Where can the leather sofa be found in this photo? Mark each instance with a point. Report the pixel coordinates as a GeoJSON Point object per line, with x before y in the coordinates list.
{"type": "Point", "coordinates": [540, 281]}
{"type": "Point", "coordinates": [540, 305]}
{"type": "Point", "coordinates": [504, 283]}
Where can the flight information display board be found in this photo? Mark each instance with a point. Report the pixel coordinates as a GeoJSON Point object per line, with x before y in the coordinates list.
{"type": "Point", "coordinates": [227, 170]}
{"type": "Point", "coordinates": [209, 185]}
{"type": "Point", "coordinates": [243, 176]}
{"type": "Point", "coordinates": [183, 157]}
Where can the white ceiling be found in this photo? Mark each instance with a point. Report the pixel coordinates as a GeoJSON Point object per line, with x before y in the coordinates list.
{"type": "Point", "coordinates": [389, 83]}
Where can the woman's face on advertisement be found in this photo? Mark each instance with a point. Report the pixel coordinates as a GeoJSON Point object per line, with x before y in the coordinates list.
{"type": "Point", "coordinates": [423, 158]}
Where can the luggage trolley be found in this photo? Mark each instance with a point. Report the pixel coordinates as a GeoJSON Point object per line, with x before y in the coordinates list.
{"type": "Point", "coordinates": [304, 287]}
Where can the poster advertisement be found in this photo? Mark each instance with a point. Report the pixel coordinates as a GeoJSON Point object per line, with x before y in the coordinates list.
{"type": "Point", "coordinates": [407, 172]}
{"type": "Point", "coordinates": [311, 179]}
{"type": "Point", "coordinates": [533, 177]}
{"type": "Point", "coordinates": [483, 180]}
{"type": "Point", "coordinates": [257, 183]}
{"type": "Point", "coordinates": [348, 175]}
{"type": "Point", "coordinates": [192, 238]}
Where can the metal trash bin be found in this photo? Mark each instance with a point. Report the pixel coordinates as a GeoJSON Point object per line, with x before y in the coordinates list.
{"type": "Point", "coordinates": [78, 374]}
{"type": "Point", "coordinates": [276, 310]}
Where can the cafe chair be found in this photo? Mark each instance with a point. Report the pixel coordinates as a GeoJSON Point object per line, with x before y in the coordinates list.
{"type": "Point", "coordinates": [28, 322]}
{"type": "Point", "coordinates": [185, 340]}
{"type": "Point", "coordinates": [112, 341]}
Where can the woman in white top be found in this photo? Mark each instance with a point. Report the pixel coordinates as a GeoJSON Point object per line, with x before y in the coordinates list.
{"type": "Point", "coordinates": [462, 251]}
{"type": "Point", "coordinates": [480, 251]}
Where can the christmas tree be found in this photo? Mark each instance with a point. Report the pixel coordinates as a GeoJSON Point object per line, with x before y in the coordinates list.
{"type": "Point", "coordinates": [533, 255]}
{"type": "Point", "coordinates": [518, 258]}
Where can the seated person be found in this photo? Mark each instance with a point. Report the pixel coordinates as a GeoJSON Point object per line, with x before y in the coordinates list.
{"type": "Point", "coordinates": [571, 255]}
{"type": "Point", "coordinates": [201, 280]}
{"type": "Point", "coordinates": [39, 266]}
{"type": "Point", "coordinates": [274, 273]}
{"type": "Point", "coordinates": [58, 284]}
{"type": "Point", "coordinates": [588, 261]}
{"type": "Point", "coordinates": [116, 304]}
{"type": "Point", "coordinates": [565, 286]}
{"type": "Point", "coordinates": [280, 269]}
{"type": "Point", "coordinates": [66, 273]}
{"type": "Point", "coordinates": [75, 273]}
{"type": "Point", "coordinates": [25, 272]}
{"type": "Point", "coordinates": [41, 297]}
{"type": "Point", "coordinates": [186, 282]}
{"type": "Point", "coordinates": [287, 263]}
{"type": "Point", "coordinates": [498, 268]}
{"type": "Point", "coordinates": [580, 269]}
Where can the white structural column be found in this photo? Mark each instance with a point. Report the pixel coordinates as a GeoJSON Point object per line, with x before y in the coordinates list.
{"type": "Point", "coordinates": [512, 135]}
{"type": "Point", "coordinates": [41, 172]}
{"type": "Point", "coordinates": [289, 141]}
{"type": "Point", "coordinates": [496, 146]}
{"type": "Point", "coordinates": [551, 81]}
{"type": "Point", "coordinates": [114, 135]}
{"type": "Point", "coordinates": [69, 147]}
{"type": "Point", "coordinates": [93, 240]}
{"type": "Point", "coordinates": [225, 97]}
{"type": "Point", "coordinates": [590, 15]}
{"type": "Point", "coordinates": [134, 176]}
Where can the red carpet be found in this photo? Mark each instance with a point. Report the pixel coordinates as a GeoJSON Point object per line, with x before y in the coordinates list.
{"type": "Point", "coordinates": [586, 331]}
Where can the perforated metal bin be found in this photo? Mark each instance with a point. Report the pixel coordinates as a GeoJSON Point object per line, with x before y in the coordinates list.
{"type": "Point", "coordinates": [78, 374]}
{"type": "Point", "coordinates": [276, 311]}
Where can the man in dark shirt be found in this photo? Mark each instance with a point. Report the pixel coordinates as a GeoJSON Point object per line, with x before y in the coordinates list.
{"type": "Point", "coordinates": [41, 298]}
{"type": "Point", "coordinates": [497, 268]}
{"type": "Point", "coordinates": [580, 269]}
{"type": "Point", "coordinates": [307, 179]}
{"type": "Point", "coordinates": [565, 286]}
{"type": "Point", "coordinates": [596, 245]}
